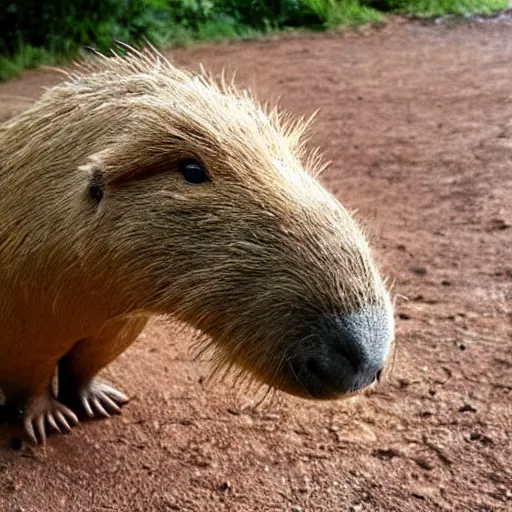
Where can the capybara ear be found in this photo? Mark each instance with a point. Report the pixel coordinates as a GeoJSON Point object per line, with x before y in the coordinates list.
{"type": "Point", "coordinates": [94, 165]}
{"type": "Point", "coordinates": [95, 170]}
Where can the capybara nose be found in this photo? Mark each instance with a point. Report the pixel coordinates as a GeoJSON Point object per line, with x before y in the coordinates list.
{"type": "Point", "coordinates": [346, 353]}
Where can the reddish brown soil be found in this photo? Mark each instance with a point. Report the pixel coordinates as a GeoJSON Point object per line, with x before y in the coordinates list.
{"type": "Point", "coordinates": [418, 123]}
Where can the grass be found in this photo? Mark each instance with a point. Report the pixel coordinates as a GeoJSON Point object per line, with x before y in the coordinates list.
{"type": "Point", "coordinates": [27, 57]}
{"type": "Point", "coordinates": [334, 13]}
{"type": "Point", "coordinates": [436, 8]}
{"type": "Point", "coordinates": [30, 57]}
{"type": "Point", "coordinates": [228, 25]}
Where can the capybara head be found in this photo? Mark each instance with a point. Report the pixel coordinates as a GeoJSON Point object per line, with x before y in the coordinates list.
{"type": "Point", "coordinates": [173, 194]}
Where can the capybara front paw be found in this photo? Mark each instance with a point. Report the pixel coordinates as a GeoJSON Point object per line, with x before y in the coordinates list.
{"type": "Point", "coordinates": [43, 413]}
{"type": "Point", "coordinates": [99, 399]}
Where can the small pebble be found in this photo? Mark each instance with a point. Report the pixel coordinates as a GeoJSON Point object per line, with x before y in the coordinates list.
{"type": "Point", "coordinates": [467, 408]}
{"type": "Point", "coordinates": [424, 463]}
{"type": "Point", "coordinates": [224, 486]}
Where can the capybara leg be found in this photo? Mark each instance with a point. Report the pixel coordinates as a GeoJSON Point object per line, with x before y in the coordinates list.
{"type": "Point", "coordinates": [34, 415]}
{"type": "Point", "coordinates": [78, 386]}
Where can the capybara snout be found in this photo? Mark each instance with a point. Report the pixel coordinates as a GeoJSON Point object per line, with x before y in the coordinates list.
{"type": "Point", "coordinates": [135, 189]}
{"type": "Point", "coordinates": [342, 355]}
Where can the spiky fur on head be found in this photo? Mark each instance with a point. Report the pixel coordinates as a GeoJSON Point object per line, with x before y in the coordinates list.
{"type": "Point", "coordinates": [251, 258]}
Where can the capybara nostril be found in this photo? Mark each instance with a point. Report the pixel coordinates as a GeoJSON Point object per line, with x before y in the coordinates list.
{"type": "Point", "coordinates": [345, 354]}
{"type": "Point", "coordinates": [312, 366]}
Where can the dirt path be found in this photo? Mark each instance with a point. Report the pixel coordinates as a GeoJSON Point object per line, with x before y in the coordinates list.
{"type": "Point", "coordinates": [418, 123]}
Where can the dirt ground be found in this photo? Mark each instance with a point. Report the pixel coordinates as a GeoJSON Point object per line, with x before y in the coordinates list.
{"type": "Point", "coordinates": [417, 120]}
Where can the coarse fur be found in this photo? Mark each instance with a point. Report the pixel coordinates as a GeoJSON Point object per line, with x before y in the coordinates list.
{"type": "Point", "coordinates": [100, 231]}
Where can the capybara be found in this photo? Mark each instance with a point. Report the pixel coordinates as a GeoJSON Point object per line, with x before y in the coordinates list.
{"type": "Point", "coordinates": [135, 188]}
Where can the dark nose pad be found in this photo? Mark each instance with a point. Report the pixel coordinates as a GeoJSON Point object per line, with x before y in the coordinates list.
{"type": "Point", "coordinates": [345, 355]}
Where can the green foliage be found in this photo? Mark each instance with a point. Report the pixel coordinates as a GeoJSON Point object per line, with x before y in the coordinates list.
{"type": "Point", "coordinates": [26, 57]}
{"type": "Point", "coordinates": [432, 8]}
{"type": "Point", "coordinates": [35, 32]}
{"type": "Point", "coordinates": [348, 12]}
{"type": "Point", "coordinates": [267, 14]}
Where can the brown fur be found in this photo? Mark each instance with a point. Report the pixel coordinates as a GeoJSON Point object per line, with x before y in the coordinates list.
{"type": "Point", "coordinates": [247, 258]}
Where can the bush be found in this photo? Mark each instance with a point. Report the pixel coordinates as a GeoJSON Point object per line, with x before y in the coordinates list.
{"type": "Point", "coordinates": [33, 32]}
{"type": "Point", "coordinates": [429, 8]}
{"type": "Point", "coordinates": [63, 26]}
{"type": "Point", "coordinates": [349, 12]}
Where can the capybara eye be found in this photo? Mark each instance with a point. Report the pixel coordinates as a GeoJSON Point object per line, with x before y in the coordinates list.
{"type": "Point", "coordinates": [193, 172]}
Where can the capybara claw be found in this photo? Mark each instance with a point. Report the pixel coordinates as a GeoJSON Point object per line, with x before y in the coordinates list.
{"type": "Point", "coordinates": [99, 399]}
{"type": "Point", "coordinates": [47, 413]}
